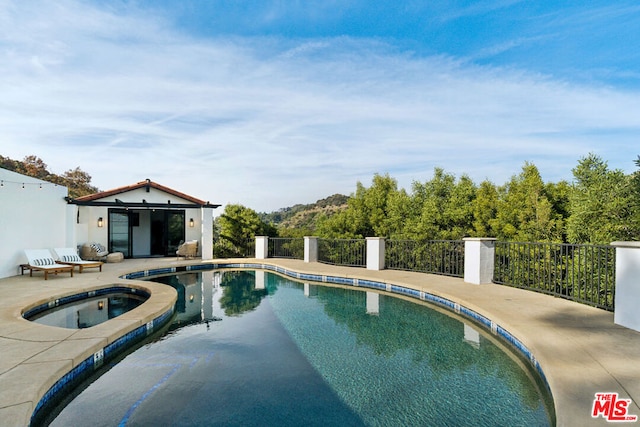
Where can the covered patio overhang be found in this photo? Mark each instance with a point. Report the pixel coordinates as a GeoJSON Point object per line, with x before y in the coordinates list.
{"type": "Point", "coordinates": [140, 205]}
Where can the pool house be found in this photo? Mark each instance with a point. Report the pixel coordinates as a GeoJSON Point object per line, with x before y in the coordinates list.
{"type": "Point", "coordinates": [144, 220]}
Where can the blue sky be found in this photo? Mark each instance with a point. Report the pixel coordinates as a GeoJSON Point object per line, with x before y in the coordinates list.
{"type": "Point", "coordinates": [274, 103]}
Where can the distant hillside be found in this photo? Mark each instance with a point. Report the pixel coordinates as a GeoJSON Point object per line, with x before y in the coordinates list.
{"type": "Point", "coordinates": [304, 216]}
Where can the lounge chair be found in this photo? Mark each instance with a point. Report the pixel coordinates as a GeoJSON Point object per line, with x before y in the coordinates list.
{"type": "Point", "coordinates": [188, 249]}
{"type": "Point", "coordinates": [70, 256]}
{"type": "Point", "coordinates": [41, 260]}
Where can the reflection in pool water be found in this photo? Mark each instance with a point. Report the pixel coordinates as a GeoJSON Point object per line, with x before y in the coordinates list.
{"type": "Point", "coordinates": [88, 312]}
{"type": "Point", "coordinates": [288, 353]}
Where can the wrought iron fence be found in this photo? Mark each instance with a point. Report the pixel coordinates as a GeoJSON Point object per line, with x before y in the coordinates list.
{"type": "Point", "coordinates": [346, 252]}
{"type": "Point", "coordinates": [248, 248]}
{"type": "Point", "coordinates": [583, 273]}
{"type": "Point", "coordinates": [280, 247]}
{"type": "Point", "coordinates": [445, 257]}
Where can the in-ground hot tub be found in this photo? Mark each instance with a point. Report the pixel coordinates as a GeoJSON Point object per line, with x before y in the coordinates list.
{"type": "Point", "coordinates": [87, 309]}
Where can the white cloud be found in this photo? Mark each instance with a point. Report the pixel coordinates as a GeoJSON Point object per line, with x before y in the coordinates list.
{"type": "Point", "coordinates": [269, 123]}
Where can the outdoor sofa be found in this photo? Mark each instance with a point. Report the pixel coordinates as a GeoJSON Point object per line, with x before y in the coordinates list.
{"type": "Point", "coordinates": [93, 252]}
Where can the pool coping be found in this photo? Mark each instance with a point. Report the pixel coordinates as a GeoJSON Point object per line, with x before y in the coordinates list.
{"type": "Point", "coordinates": [577, 348]}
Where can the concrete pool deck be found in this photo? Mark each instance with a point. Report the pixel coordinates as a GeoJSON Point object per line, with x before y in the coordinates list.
{"type": "Point", "coordinates": [581, 351]}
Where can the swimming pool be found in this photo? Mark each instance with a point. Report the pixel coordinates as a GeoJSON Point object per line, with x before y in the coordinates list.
{"type": "Point", "coordinates": [292, 353]}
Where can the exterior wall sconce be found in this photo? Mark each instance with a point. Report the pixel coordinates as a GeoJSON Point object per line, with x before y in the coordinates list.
{"type": "Point", "coordinates": [100, 305]}
{"type": "Point", "coordinates": [191, 223]}
{"type": "Point", "coordinates": [100, 222]}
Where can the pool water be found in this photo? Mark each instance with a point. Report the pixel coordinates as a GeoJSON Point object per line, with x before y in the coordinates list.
{"type": "Point", "coordinates": [287, 353]}
{"type": "Point", "coordinates": [88, 312]}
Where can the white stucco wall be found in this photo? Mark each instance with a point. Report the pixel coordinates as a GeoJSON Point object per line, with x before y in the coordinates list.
{"type": "Point", "coordinates": [31, 218]}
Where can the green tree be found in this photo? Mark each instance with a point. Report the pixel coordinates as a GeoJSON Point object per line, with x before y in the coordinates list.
{"type": "Point", "coordinates": [35, 167]}
{"type": "Point", "coordinates": [601, 203]}
{"type": "Point", "coordinates": [445, 207]}
{"type": "Point", "coordinates": [524, 211]}
{"type": "Point", "coordinates": [236, 228]}
{"type": "Point", "coordinates": [367, 213]}
{"type": "Point", "coordinates": [78, 182]}
{"type": "Point", "coordinates": [485, 207]}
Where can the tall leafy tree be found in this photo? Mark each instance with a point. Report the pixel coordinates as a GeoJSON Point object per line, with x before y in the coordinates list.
{"type": "Point", "coordinates": [458, 214]}
{"type": "Point", "coordinates": [485, 207]}
{"type": "Point", "coordinates": [236, 228]}
{"type": "Point", "coordinates": [431, 197]}
{"type": "Point", "coordinates": [76, 180]}
{"type": "Point", "coordinates": [601, 203]}
{"type": "Point", "coordinates": [524, 211]}
{"type": "Point", "coordinates": [34, 166]}
{"type": "Point", "coordinates": [445, 205]}
{"type": "Point", "coordinates": [367, 213]}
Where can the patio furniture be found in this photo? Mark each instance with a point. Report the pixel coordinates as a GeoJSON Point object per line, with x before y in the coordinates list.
{"type": "Point", "coordinates": [70, 256]}
{"type": "Point", "coordinates": [188, 249]}
{"type": "Point", "coordinates": [115, 257]}
{"type": "Point", "coordinates": [93, 252]}
{"type": "Point", "coordinates": [41, 260]}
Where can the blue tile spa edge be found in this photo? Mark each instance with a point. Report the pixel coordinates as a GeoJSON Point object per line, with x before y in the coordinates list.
{"type": "Point", "coordinates": [87, 367]}
{"type": "Point", "coordinates": [457, 308]}
{"type": "Point", "coordinates": [58, 302]}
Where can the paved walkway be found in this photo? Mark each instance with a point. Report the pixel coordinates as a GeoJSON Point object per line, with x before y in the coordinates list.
{"type": "Point", "coordinates": [579, 348]}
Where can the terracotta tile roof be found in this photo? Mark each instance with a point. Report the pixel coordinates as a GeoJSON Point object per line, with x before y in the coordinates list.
{"type": "Point", "coordinates": [141, 184]}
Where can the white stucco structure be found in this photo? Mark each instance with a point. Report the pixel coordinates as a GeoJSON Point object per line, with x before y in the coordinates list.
{"type": "Point", "coordinates": [151, 219]}
{"type": "Point", "coordinates": [479, 254]}
{"type": "Point", "coordinates": [310, 249]}
{"type": "Point", "coordinates": [375, 253]}
{"type": "Point", "coordinates": [627, 294]}
{"type": "Point", "coordinates": [33, 215]}
{"type": "Point", "coordinates": [262, 247]}
{"type": "Point", "coordinates": [145, 219]}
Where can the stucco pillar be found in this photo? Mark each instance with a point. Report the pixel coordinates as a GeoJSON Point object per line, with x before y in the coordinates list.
{"type": "Point", "coordinates": [262, 247]}
{"type": "Point", "coordinates": [375, 253]}
{"type": "Point", "coordinates": [627, 297]}
{"type": "Point", "coordinates": [310, 249]}
{"type": "Point", "coordinates": [479, 259]}
{"type": "Point", "coordinates": [206, 243]}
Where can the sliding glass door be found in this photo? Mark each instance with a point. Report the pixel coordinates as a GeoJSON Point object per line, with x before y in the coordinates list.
{"type": "Point", "coordinates": [159, 231]}
{"type": "Point", "coordinates": [167, 232]}
{"type": "Point", "coordinates": [119, 232]}
{"type": "Point", "coordinates": [175, 231]}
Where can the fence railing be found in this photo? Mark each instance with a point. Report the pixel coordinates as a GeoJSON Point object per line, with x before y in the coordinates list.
{"type": "Point", "coordinates": [248, 248]}
{"type": "Point", "coordinates": [445, 257]}
{"type": "Point", "coordinates": [280, 247]}
{"type": "Point", "coordinates": [583, 273]}
{"type": "Point", "coordinates": [346, 252]}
